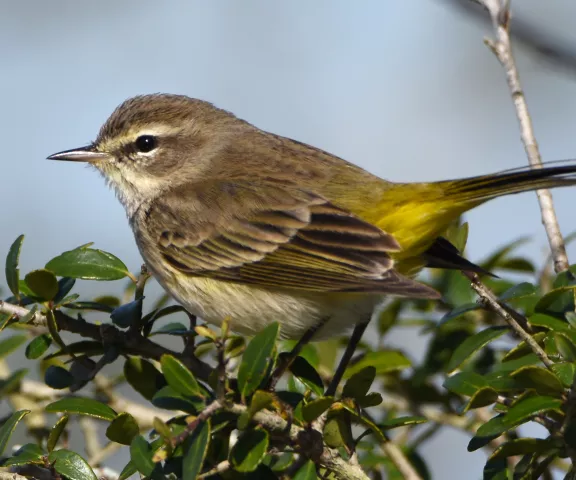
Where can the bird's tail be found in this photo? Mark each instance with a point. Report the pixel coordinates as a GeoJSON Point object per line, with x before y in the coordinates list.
{"type": "Point", "coordinates": [484, 187]}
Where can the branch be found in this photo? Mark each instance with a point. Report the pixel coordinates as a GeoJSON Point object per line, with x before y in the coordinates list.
{"type": "Point", "coordinates": [500, 14]}
{"type": "Point", "coordinates": [549, 49]}
{"type": "Point", "coordinates": [329, 458]}
{"type": "Point", "coordinates": [400, 461]}
{"type": "Point", "coordinates": [491, 302]}
{"type": "Point", "coordinates": [134, 344]}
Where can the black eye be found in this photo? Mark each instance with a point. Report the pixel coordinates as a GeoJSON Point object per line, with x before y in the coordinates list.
{"type": "Point", "coordinates": [146, 143]}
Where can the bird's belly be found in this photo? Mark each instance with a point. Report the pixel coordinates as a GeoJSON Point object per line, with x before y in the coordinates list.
{"type": "Point", "coordinates": [250, 308]}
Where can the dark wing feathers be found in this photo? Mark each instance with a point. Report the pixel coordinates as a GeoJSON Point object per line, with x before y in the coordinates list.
{"type": "Point", "coordinates": [275, 236]}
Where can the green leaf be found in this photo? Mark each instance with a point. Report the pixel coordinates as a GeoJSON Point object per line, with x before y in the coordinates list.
{"type": "Point", "coordinates": [401, 422]}
{"type": "Point", "coordinates": [123, 429]}
{"type": "Point", "coordinates": [565, 346]}
{"type": "Point", "coordinates": [519, 413]}
{"type": "Point", "coordinates": [522, 446]}
{"type": "Point", "coordinates": [249, 450]}
{"type": "Point", "coordinates": [358, 385]}
{"type": "Point", "coordinates": [458, 311]}
{"type": "Point", "coordinates": [174, 328]}
{"type": "Point", "coordinates": [12, 272]}
{"type": "Point", "coordinates": [306, 472]}
{"type": "Point", "coordinates": [389, 315]}
{"type": "Point", "coordinates": [257, 360]}
{"type": "Point", "coordinates": [307, 374]}
{"type": "Point", "coordinates": [384, 361]}
{"type": "Point", "coordinates": [89, 264]}
{"type": "Point", "coordinates": [128, 470]}
{"type": "Point", "coordinates": [472, 344]}
{"type": "Point", "coordinates": [465, 383]}
{"type": "Point", "coordinates": [523, 348]}
{"type": "Point", "coordinates": [38, 346]}
{"type": "Point", "coordinates": [518, 291]}
{"type": "Point", "coordinates": [481, 398]}
{"type": "Point", "coordinates": [141, 457]}
{"type": "Point", "coordinates": [543, 381]}
{"type": "Point", "coordinates": [179, 377]}
{"type": "Point", "coordinates": [495, 469]}
{"type": "Point", "coordinates": [56, 432]}
{"type": "Point", "coordinates": [11, 344]}
{"type": "Point", "coordinates": [8, 427]}
{"type": "Point", "coordinates": [518, 264]}
{"type": "Point", "coordinates": [58, 377]}
{"type": "Point", "coordinates": [169, 399]}
{"type": "Point", "coordinates": [493, 427]}
{"type": "Point", "coordinates": [194, 451]}
{"type": "Point", "coordinates": [29, 453]}
{"type": "Point", "coordinates": [312, 410]}
{"type": "Point", "coordinates": [12, 383]}
{"type": "Point", "coordinates": [499, 257]}
{"type": "Point", "coordinates": [43, 284]}
{"type": "Point", "coordinates": [64, 286]}
{"type": "Point", "coordinates": [371, 400]}
{"type": "Point", "coordinates": [527, 408]}
{"type": "Point", "coordinates": [260, 400]}
{"type": "Point", "coordinates": [82, 406]}
{"type": "Point", "coordinates": [559, 300]}
{"type": "Point", "coordinates": [71, 465]}
{"type": "Point", "coordinates": [143, 376]}
{"type": "Point", "coordinates": [565, 372]}
{"type": "Point", "coordinates": [95, 306]}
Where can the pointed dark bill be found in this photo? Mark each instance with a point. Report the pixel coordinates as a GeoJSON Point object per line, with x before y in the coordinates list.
{"type": "Point", "coordinates": [82, 154]}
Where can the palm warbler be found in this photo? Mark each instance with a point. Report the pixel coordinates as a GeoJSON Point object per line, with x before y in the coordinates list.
{"type": "Point", "coordinates": [241, 223]}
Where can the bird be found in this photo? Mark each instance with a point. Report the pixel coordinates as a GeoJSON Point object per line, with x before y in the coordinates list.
{"type": "Point", "coordinates": [242, 224]}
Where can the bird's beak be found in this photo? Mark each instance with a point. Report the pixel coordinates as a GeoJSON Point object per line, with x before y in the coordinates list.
{"type": "Point", "coordinates": [83, 154]}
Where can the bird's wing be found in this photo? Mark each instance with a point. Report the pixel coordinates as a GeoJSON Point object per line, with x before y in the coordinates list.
{"type": "Point", "coordinates": [274, 236]}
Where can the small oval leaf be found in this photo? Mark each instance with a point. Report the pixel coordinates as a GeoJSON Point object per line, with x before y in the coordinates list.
{"type": "Point", "coordinates": [56, 432]}
{"type": "Point", "coordinates": [12, 272]}
{"type": "Point", "coordinates": [71, 465]}
{"type": "Point", "coordinates": [472, 344]}
{"type": "Point", "coordinates": [82, 406]}
{"type": "Point", "coordinates": [179, 377]}
{"type": "Point", "coordinates": [38, 346]}
{"type": "Point", "coordinates": [11, 344]}
{"type": "Point", "coordinates": [306, 471]}
{"type": "Point", "coordinates": [123, 429]}
{"type": "Point", "coordinates": [257, 360]}
{"type": "Point", "coordinates": [249, 450]}
{"type": "Point", "coordinates": [195, 449]}
{"type": "Point", "coordinates": [8, 427]}
{"type": "Point", "coordinates": [358, 385]}
{"type": "Point", "coordinates": [43, 284]}
{"type": "Point", "coordinates": [88, 264]}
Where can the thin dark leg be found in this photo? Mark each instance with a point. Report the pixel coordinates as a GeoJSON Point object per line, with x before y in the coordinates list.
{"type": "Point", "coordinates": [287, 361]}
{"type": "Point", "coordinates": [345, 360]}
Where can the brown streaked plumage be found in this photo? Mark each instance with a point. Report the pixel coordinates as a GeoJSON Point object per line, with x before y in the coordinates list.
{"type": "Point", "coordinates": [237, 222]}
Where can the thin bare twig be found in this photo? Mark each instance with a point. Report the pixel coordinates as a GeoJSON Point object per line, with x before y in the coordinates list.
{"type": "Point", "coordinates": [545, 46]}
{"type": "Point", "coordinates": [399, 460]}
{"type": "Point", "coordinates": [491, 302]}
{"type": "Point", "coordinates": [501, 46]}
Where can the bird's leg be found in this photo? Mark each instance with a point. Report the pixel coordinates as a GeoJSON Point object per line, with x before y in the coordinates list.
{"type": "Point", "coordinates": [345, 360]}
{"type": "Point", "coordinates": [286, 360]}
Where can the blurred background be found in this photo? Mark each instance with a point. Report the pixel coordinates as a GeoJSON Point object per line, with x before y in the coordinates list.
{"type": "Point", "coordinates": [405, 89]}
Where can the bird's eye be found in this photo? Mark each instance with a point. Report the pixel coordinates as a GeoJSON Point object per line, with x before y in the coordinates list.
{"type": "Point", "coordinates": [146, 143]}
